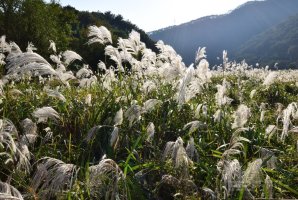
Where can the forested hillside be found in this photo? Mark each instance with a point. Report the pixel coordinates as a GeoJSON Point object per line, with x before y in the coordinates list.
{"type": "Point", "coordinates": [35, 21]}
{"type": "Point", "coordinates": [227, 32]}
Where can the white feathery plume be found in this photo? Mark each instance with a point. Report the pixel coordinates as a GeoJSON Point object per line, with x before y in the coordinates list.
{"type": "Point", "coordinates": [52, 177]}
{"type": "Point", "coordinates": [201, 53]}
{"type": "Point", "coordinates": [99, 34]}
{"type": "Point", "coordinates": [270, 158]}
{"type": "Point", "coordinates": [220, 96]}
{"type": "Point", "coordinates": [54, 93]}
{"type": "Point", "coordinates": [133, 113]}
{"type": "Point", "coordinates": [30, 48]}
{"type": "Point", "coordinates": [133, 44]}
{"type": "Point", "coordinates": [252, 175]}
{"type": "Point", "coordinates": [191, 150]}
{"type": "Point", "coordinates": [241, 116]}
{"type": "Point", "coordinates": [53, 46]}
{"type": "Point", "coordinates": [8, 192]}
{"type": "Point", "coordinates": [44, 113]}
{"type": "Point", "coordinates": [270, 79]}
{"type": "Point", "coordinates": [252, 93]}
{"type": "Point", "coordinates": [270, 130]}
{"type": "Point", "coordinates": [150, 104]}
{"type": "Point", "coordinates": [24, 63]}
{"type": "Point", "coordinates": [231, 175]}
{"type": "Point", "coordinates": [114, 137]}
{"type": "Point", "coordinates": [84, 72]}
{"type": "Point", "coordinates": [181, 96]}
{"type": "Point", "coordinates": [177, 153]}
{"type": "Point", "coordinates": [150, 131]}
{"type": "Point", "coordinates": [203, 71]}
{"type": "Point", "coordinates": [118, 119]}
{"type": "Point", "coordinates": [4, 46]}
{"type": "Point", "coordinates": [114, 55]}
{"type": "Point", "coordinates": [14, 49]}
{"type": "Point", "coordinates": [101, 65]}
{"type": "Point", "coordinates": [193, 126]}
{"type": "Point", "coordinates": [287, 113]}
{"type": "Point", "coordinates": [88, 82]}
{"type": "Point", "coordinates": [218, 115]}
{"type": "Point", "coordinates": [225, 58]}
{"type": "Point", "coordinates": [269, 187]}
{"type": "Point", "coordinates": [88, 99]}
{"type": "Point", "coordinates": [105, 179]}
{"type": "Point", "coordinates": [197, 111]}
{"type": "Point", "coordinates": [29, 132]}
{"type": "Point", "coordinates": [235, 145]}
{"type": "Point", "coordinates": [2, 57]}
{"type": "Point", "coordinates": [148, 86]}
{"type": "Point", "coordinates": [205, 110]}
{"type": "Point", "coordinates": [70, 56]}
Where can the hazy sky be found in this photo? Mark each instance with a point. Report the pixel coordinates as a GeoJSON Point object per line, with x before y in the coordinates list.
{"type": "Point", "coordinates": [151, 15]}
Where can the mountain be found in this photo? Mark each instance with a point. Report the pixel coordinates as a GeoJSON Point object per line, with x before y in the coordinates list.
{"type": "Point", "coordinates": [226, 32]}
{"type": "Point", "coordinates": [276, 45]}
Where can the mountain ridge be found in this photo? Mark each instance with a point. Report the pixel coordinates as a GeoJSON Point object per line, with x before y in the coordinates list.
{"type": "Point", "coordinates": [226, 32]}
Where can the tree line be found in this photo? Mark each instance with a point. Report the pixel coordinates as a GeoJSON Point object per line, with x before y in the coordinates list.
{"type": "Point", "coordinates": [36, 21]}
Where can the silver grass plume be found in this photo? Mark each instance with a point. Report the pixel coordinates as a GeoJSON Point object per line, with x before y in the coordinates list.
{"type": "Point", "coordinates": [18, 154]}
{"type": "Point", "coordinates": [101, 65]}
{"type": "Point", "coordinates": [198, 111]}
{"type": "Point", "coordinates": [84, 72]}
{"type": "Point", "coordinates": [4, 46]}
{"type": "Point", "coordinates": [114, 55]}
{"type": "Point", "coordinates": [114, 138]}
{"type": "Point", "coordinates": [218, 115]}
{"type": "Point", "coordinates": [133, 113]}
{"type": "Point", "coordinates": [88, 100]}
{"type": "Point", "coordinates": [201, 53]}
{"type": "Point", "coordinates": [105, 179]}
{"type": "Point", "coordinates": [235, 145]}
{"type": "Point", "coordinates": [177, 153]}
{"type": "Point", "coordinates": [269, 187]}
{"type": "Point", "coordinates": [193, 126]}
{"type": "Point", "coordinates": [2, 57]}
{"type": "Point", "coordinates": [241, 116]}
{"type": "Point", "coordinates": [70, 56]}
{"type": "Point", "coordinates": [88, 82]}
{"type": "Point", "coordinates": [23, 63]}
{"type": "Point", "coordinates": [150, 104]}
{"type": "Point", "coordinates": [54, 93]}
{"type": "Point", "coordinates": [99, 34]}
{"type": "Point", "coordinates": [183, 85]}
{"type": "Point", "coordinates": [231, 175]}
{"type": "Point", "coordinates": [52, 177]}
{"type": "Point", "coordinates": [118, 119]}
{"type": "Point", "coordinates": [29, 132]}
{"type": "Point", "coordinates": [53, 46]}
{"type": "Point", "coordinates": [133, 44]}
{"type": "Point", "coordinates": [30, 48]}
{"type": "Point", "coordinates": [289, 112]}
{"type": "Point", "coordinates": [270, 158]}
{"type": "Point", "coordinates": [191, 150]}
{"type": "Point", "coordinates": [8, 192]}
{"type": "Point", "coordinates": [45, 113]}
{"type": "Point", "coordinates": [203, 71]}
{"type": "Point", "coordinates": [270, 79]}
{"type": "Point", "coordinates": [253, 174]}
{"type": "Point", "coordinates": [150, 130]}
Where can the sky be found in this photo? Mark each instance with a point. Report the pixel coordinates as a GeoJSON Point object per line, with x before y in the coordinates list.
{"type": "Point", "coordinates": [151, 15]}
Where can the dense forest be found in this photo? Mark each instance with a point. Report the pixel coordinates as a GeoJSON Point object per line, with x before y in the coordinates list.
{"type": "Point", "coordinates": [36, 21]}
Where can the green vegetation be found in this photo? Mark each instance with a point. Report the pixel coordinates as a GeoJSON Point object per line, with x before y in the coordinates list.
{"type": "Point", "coordinates": [146, 128]}
{"type": "Point", "coordinates": [24, 21]}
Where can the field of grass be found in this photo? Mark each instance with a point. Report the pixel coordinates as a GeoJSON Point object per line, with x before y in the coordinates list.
{"type": "Point", "coordinates": [147, 127]}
